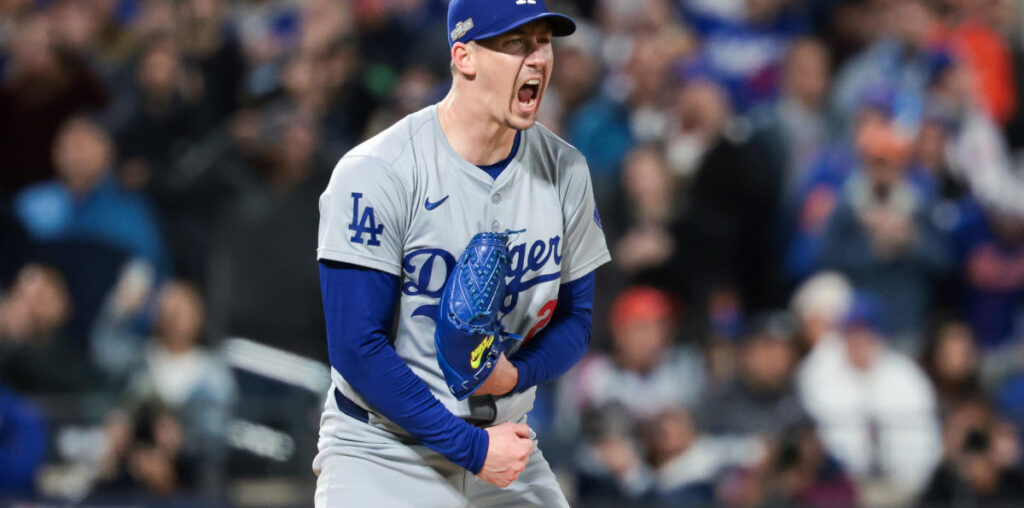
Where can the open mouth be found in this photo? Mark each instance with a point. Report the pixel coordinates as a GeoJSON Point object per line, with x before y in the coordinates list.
{"type": "Point", "coordinates": [528, 93]}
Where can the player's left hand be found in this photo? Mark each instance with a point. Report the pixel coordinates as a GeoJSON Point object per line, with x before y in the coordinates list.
{"type": "Point", "coordinates": [502, 379]}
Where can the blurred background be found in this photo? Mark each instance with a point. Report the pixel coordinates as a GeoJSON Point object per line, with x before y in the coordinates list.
{"type": "Point", "coordinates": [815, 209]}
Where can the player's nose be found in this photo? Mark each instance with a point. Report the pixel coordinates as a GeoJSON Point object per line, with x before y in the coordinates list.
{"type": "Point", "coordinates": [539, 55]}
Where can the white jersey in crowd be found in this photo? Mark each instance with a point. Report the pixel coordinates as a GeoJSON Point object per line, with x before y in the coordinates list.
{"type": "Point", "coordinates": [404, 202]}
{"type": "Point", "coordinates": [884, 418]}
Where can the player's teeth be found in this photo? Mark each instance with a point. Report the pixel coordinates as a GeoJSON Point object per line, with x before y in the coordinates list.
{"type": "Point", "coordinates": [533, 82]}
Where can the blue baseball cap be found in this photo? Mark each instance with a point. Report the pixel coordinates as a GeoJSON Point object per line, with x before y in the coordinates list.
{"type": "Point", "coordinates": [866, 310]}
{"type": "Point", "coordinates": [470, 20]}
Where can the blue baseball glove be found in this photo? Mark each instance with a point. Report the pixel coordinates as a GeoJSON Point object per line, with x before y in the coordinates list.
{"type": "Point", "coordinates": [469, 336]}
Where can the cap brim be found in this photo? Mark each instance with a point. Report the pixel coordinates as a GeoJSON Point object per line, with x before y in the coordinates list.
{"type": "Point", "coordinates": [561, 25]}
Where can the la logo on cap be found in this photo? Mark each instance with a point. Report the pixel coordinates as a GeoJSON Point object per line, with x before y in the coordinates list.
{"type": "Point", "coordinates": [525, 2]}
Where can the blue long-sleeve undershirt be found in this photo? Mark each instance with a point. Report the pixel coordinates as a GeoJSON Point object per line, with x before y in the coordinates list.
{"type": "Point", "coordinates": [564, 342]}
{"type": "Point", "coordinates": [359, 304]}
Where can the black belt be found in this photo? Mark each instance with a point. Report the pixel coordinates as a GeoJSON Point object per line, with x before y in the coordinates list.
{"type": "Point", "coordinates": [482, 405]}
{"type": "Point", "coordinates": [350, 408]}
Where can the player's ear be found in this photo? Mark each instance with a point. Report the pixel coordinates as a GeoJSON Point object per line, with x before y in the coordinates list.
{"type": "Point", "coordinates": [463, 59]}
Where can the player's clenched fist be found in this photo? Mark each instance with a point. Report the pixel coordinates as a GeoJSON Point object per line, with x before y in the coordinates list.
{"type": "Point", "coordinates": [509, 450]}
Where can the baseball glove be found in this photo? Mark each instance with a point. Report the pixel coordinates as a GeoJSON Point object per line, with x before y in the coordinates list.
{"type": "Point", "coordinates": [469, 336]}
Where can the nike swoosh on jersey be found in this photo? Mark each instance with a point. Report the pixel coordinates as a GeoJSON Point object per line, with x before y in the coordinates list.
{"type": "Point", "coordinates": [430, 206]}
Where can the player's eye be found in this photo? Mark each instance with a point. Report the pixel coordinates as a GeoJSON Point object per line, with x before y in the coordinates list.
{"type": "Point", "coordinates": [515, 42]}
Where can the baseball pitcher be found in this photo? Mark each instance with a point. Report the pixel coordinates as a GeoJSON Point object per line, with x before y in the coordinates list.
{"type": "Point", "coordinates": [457, 251]}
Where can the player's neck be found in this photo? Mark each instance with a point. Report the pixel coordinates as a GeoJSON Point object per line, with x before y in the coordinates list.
{"type": "Point", "coordinates": [472, 133]}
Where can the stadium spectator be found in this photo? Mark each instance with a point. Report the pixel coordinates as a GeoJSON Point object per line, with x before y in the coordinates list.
{"type": "Point", "coordinates": [117, 338]}
{"type": "Point", "coordinates": [608, 463]}
{"type": "Point", "coordinates": [821, 188]}
{"type": "Point", "coordinates": [981, 465]}
{"type": "Point", "coordinates": [609, 396]}
{"type": "Point", "coordinates": [206, 43]}
{"type": "Point", "coordinates": [640, 222]}
{"type": "Point", "coordinates": [989, 247]}
{"type": "Point", "coordinates": [326, 85]}
{"type": "Point", "coordinates": [818, 306]}
{"type": "Point", "coordinates": [165, 118]}
{"type": "Point", "coordinates": [930, 153]}
{"type": "Point", "coordinates": [881, 235]}
{"type": "Point", "coordinates": [87, 202]}
{"type": "Point", "coordinates": [191, 381]}
{"type": "Point", "coordinates": [732, 199]}
{"type": "Point", "coordinates": [75, 26]}
{"type": "Point", "coordinates": [745, 41]}
{"type": "Point", "coordinates": [977, 152]}
{"type": "Point", "coordinates": [899, 57]}
{"type": "Point", "coordinates": [267, 292]}
{"type": "Point", "coordinates": [42, 89]}
{"type": "Point", "coordinates": [686, 463]}
{"type": "Point", "coordinates": [796, 126]}
{"type": "Point", "coordinates": [35, 356]}
{"type": "Point", "coordinates": [875, 407]}
{"type": "Point", "coordinates": [639, 48]}
{"type": "Point", "coordinates": [143, 455]}
{"type": "Point", "coordinates": [760, 399]}
{"type": "Point", "coordinates": [973, 32]}
{"type": "Point", "coordinates": [950, 359]}
{"type": "Point", "coordinates": [269, 31]}
{"type": "Point", "coordinates": [796, 470]}
{"type": "Point", "coordinates": [646, 372]}
{"type": "Point", "coordinates": [589, 118]}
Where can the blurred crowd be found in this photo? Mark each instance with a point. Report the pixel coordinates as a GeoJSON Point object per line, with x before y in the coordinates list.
{"type": "Point", "coordinates": [815, 210]}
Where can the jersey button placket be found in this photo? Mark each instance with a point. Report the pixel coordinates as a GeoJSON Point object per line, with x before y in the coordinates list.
{"type": "Point", "coordinates": [495, 199]}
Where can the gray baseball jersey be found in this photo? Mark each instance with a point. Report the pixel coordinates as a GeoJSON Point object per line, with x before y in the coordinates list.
{"type": "Point", "coordinates": [404, 202]}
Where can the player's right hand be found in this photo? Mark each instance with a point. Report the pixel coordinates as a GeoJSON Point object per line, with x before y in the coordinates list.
{"type": "Point", "coordinates": [507, 453]}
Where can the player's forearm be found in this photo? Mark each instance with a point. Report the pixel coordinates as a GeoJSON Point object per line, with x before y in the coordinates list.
{"type": "Point", "coordinates": [390, 387]}
{"type": "Point", "coordinates": [358, 306]}
{"type": "Point", "coordinates": [564, 342]}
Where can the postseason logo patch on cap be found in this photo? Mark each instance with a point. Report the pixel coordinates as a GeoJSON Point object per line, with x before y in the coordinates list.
{"type": "Point", "coordinates": [461, 28]}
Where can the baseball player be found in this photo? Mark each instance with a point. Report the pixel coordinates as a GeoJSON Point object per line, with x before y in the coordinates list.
{"type": "Point", "coordinates": [395, 217]}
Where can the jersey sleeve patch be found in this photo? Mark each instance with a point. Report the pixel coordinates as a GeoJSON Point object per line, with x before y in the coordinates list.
{"type": "Point", "coordinates": [363, 215]}
{"type": "Point", "coordinates": [367, 223]}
